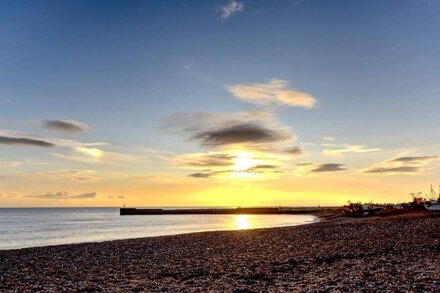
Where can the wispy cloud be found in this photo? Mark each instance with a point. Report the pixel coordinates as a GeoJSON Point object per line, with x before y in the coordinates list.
{"type": "Point", "coordinates": [116, 196]}
{"type": "Point", "coordinates": [392, 170]}
{"type": "Point", "coordinates": [76, 150]}
{"type": "Point", "coordinates": [276, 92]}
{"type": "Point", "coordinates": [328, 138]}
{"type": "Point", "coordinates": [8, 195]}
{"type": "Point", "coordinates": [307, 168]}
{"type": "Point", "coordinates": [263, 168]}
{"type": "Point", "coordinates": [340, 149]}
{"type": "Point", "coordinates": [67, 126]}
{"type": "Point", "coordinates": [414, 160]}
{"type": "Point", "coordinates": [85, 176]}
{"type": "Point", "coordinates": [230, 8]}
{"type": "Point", "coordinates": [10, 164]}
{"type": "Point", "coordinates": [293, 150]}
{"type": "Point", "coordinates": [329, 167]}
{"type": "Point", "coordinates": [9, 137]}
{"type": "Point", "coordinates": [303, 143]}
{"type": "Point", "coordinates": [62, 195]}
{"type": "Point", "coordinates": [201, 160]}
{"type": "Point", "coordinates": [254, 170]}
{"type": "Point", "coordinates": [402, 165]}
{"type": "Point", "coordinates": [63, 175]}
{"type": "Point", "coordinates": [208, 174]}
{"type": "Point", "coordinates": [25, 141]}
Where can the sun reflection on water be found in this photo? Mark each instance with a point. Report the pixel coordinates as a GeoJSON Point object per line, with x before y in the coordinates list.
{"type": "Point", "coordinates": [242, 222]}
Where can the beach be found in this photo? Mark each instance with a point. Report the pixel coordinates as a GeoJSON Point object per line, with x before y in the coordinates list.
{"type": "Point", "coordinates": [396, 253]}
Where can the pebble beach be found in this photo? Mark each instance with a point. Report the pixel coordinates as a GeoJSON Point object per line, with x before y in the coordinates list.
{"type": "Point", "coordinates": [392, 254]}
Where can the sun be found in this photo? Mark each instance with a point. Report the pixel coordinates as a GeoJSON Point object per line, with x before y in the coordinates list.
{"type": "Point", "coordinates": [244, 161]}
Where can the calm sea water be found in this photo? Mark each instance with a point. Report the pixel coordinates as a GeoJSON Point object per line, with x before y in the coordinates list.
{"type": "Point", "coordinates": [29, 227]}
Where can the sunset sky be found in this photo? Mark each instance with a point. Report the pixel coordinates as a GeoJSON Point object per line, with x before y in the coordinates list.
{"type": "Point", "coordinates": [225, 103]}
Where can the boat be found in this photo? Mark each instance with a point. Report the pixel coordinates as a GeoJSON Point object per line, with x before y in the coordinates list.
{"type": "Point", "coordinates": [433, 204]}
{"type": "Point", "coordinates": [360, 210]}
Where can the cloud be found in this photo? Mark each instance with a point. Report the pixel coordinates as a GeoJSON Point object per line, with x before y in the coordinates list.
{"type": "Point", "coordinates": [307, 143]}
{"type": "Point", "coordinates": [401, 165]}
{"type": "Point", "coordinates": [25, 141]}
{"type": "Point", "coordinates": [230, 8]}
{"type": "Point", "coordinates": [208, 174]}
{"type": "Point", "coordinates": [414, 160]}
{"type": "Point", "coordinates": [85, 176]}
{"type": "Point", "coordinates": [84, 152]}
{"type": "Point", "coordinates": [9, 195]}
{"type": "Point", "coordinates": [8, 137]}
{"type": "Point", "coordinates": [392, 170]}
{"type": "Point", "coordinates": [278, 151]}
{"type": "Point", "coordinates": [241, 140]}
{"type": "Point", "coordinates": [328, 138]}
{"type": "Point", "coordinates": [275, 92]}
{"type": "Point", "coordinates": [10, 164]}
{"type": "Point", "coordinates": [329, 167]}
{"type": "Point", "coordinates": [263, 168]}
{"type": "Point", "coordinates": [198, 160]}
{"type": "Point", "coordinates": [240, 134]}
{"type": "Point", "coordinates": [118, 196]}
{"type": "Point", "coordinates": [339, 150]}
{"type": "Point", "coordinates": [62, 195]}
{"type": "Point", "coordinates": [213, 130]}
{"type": "Point", "coordinates": [12, 175]}
{"type": "Point", "coordinates": [68, 126]}
{"type": "Point", "coordinates": [257, 169]}
{"type": "Point", "coordinates": [293, 150]}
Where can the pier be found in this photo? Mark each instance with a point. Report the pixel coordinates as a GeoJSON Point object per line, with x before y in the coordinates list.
{"type": "Point", "coordinates": [221, 211]}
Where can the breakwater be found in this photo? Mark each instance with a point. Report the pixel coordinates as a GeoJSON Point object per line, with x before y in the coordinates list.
{"type": "Point", "coordinates": [222, 211]}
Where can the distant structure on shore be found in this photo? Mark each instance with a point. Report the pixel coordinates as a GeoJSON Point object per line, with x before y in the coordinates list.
{"type": "Point", "coordinates": [430, 203]}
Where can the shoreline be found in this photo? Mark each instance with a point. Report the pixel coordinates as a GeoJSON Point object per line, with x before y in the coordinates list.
{"type": "Point", "coordinates": [318, 220]}
{"type": "Point", "coordinates": [326, 216]}
{"type": "Point", "coordinates": [374, 254]}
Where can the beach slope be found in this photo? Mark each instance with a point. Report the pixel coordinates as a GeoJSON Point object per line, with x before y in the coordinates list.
{"type": "Point", "coordinates": [399, 253]}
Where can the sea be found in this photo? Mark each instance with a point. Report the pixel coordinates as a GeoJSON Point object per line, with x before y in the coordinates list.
{"type": "Point", "coordinates": [32, 227]}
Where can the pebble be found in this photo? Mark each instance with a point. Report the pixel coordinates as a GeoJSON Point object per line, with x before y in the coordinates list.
{"type": "Point", "coordinates": [392, 254]}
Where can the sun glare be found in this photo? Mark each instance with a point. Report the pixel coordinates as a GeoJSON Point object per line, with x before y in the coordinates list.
{"type": "Point", "coordinates": [244, 161]}
{"type": "Point", "coordinates": [242, 222]}
{"type": "Point", "coordinates": [93, 152]}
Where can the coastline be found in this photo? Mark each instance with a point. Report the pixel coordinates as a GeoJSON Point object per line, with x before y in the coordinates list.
{"type": "Point", "coordinates": [375, 254]}
{"type": "Point", "coordinates": [78, 227]}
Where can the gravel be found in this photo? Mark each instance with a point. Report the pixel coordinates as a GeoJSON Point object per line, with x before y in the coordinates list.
{"type": "Point", "coordinates": [393, 254]}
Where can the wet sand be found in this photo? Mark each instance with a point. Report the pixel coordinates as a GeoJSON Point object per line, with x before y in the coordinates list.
{"type": "Point", "coordinates": [399, 253]}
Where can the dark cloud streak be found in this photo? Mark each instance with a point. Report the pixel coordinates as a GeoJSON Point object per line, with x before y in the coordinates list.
{"type": "Point", "coordinates": [69, 126]}
{"type": "Point", "coordinates": [211, 160]}
{"type": "Point", "coordinates": [240, 134]}
{"type": "Point", "coordinates": [294, 151]}
{"type": "Point", "coordinates": [62, 195]}
{"type": "Point", "coordinates": [25, 141]}
{"type": "Point", "coordinates": [399, 169]}
{"type": "Point", "coordinates": [328, 168]}
{"type": "Point", "coordinates": [414, 159]}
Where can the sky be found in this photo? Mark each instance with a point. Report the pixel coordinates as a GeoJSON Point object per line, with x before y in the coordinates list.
{"type": "Point", "coordinates": [218, 103]}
